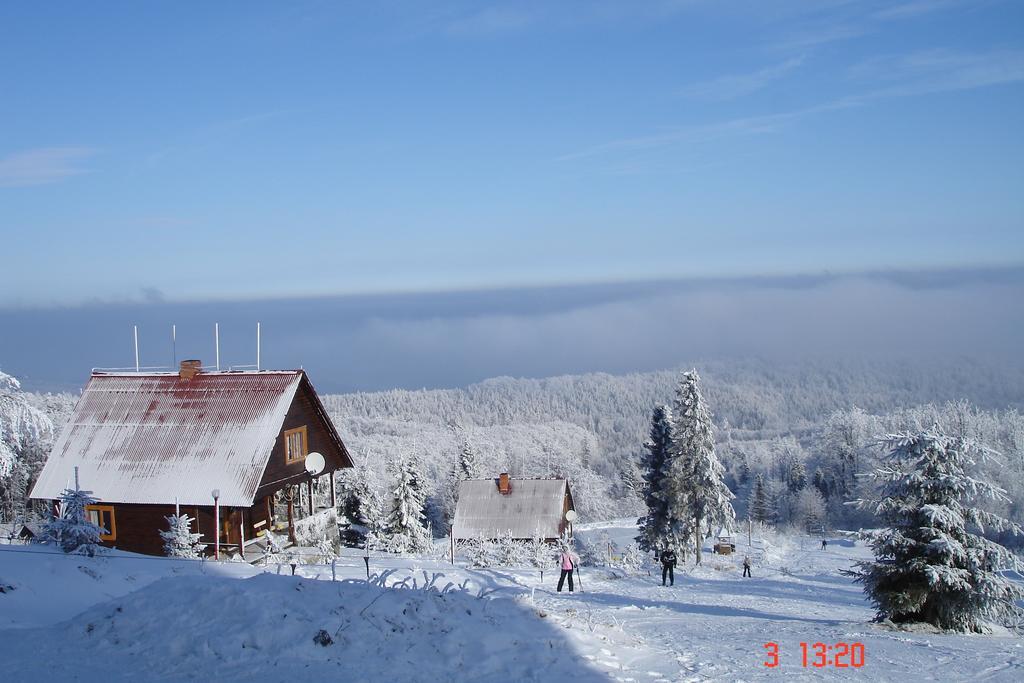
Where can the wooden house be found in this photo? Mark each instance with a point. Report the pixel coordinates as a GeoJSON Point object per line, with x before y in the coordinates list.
{"type": "Point", "coordinates": [147, 444]}
{"type": "Point", "coordinates": [524, 508]}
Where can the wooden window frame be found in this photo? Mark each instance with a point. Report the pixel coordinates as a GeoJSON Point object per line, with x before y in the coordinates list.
{"type": "Point", "coordinates": [112, 531]}
{"type": "Point", "coordinates": [288, 459]}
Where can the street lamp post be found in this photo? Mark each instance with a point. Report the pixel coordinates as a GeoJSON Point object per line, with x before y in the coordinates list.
{"type": "Point", "coordinates": [216, 523]}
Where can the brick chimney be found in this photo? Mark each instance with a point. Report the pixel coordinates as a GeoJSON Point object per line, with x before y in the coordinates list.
{"type": "Point", "coordinates": [189, 369]}
{"type": "Point", "coordinates": [504, 484]}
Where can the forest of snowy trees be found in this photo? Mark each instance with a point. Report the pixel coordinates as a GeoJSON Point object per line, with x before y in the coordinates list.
{"type": "Point", "coordinates": [791, 438]}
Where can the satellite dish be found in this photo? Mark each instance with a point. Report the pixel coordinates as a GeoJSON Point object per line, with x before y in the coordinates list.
{"type": "Point", "coordinates": [570, 516]}
{"type": "Point", "coordinates": [315, 463]}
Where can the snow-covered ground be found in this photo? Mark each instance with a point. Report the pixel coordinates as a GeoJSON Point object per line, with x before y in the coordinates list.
{"type": "Point", "coordinates": [118, 618]}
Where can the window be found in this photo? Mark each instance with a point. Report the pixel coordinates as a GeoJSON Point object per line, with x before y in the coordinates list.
{"type": "Point", "coordinates": [294, 445]}
{"type": "Point", "coordinates": [103, 517]}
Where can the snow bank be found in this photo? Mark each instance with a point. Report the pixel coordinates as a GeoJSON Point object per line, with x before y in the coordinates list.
{"type": "Point", "coordinates": [48, 586]}
{"type": "Point", "coordinates": [288, 628]}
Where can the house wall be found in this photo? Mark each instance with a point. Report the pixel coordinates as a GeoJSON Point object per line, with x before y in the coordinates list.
{"type": "Point", "coordinates": [138, 526]}
{"type": "Point", "coordinates": [302, 412]}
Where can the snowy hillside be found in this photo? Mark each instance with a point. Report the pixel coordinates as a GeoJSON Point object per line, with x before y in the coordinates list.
{"type": "Point", "coordinates": [150, 619]}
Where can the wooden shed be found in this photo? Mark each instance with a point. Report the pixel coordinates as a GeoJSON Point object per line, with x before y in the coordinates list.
{"type": "Point", "coordinates": [524, 508]}
{"type": "Point", "coordinates": [145, 443]}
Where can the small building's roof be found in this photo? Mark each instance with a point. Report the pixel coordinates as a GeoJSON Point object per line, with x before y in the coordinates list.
{"type": "Point", "coordinates": [724, 533]}
{"type": "Point", "coordinates": [157, 438]}
{"type": "Point", "coordinates": [534, 507]}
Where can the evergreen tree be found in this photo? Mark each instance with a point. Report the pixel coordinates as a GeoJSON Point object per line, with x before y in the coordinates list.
{"type": "Point", "coordinates": [695, 481]}
{"type": "Point", "coordinates": [179, 541]}
{"type": "Point", "coordinates": [796, 478]}
{"type": "Point", "coordinates": [654, 526]}
{"type": "Point", "coordinates": [71, 527]}
{"type": "Point", "coordinates": [359, 502]}
{"type": "Point", "coordinates": [820, 483]}
{"type": "Point", "coordinates": [760, 503]}
{"type": "Point", "coordinates": [932, 564]}
{"type": "Point", "coordinates": [744, 470]}
{"type": "Point", "coordinates": [468, 464]}
{"type": "Point", "coordinates": [405, 529]}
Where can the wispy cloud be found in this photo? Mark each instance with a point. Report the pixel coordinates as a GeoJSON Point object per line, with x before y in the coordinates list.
{"type": "Point", "coordinates": [43, 165]}
{"type": "Point", "coordinates": [490, 21]}
{"type": "Point", "coordinates": [701, 133]}
{"type": "Point", "coordinates": [905, 10]}
{"type": "Point", "coordinates": [912, 74]}
{"type": "Point", "coordinates": [933, 71]}
{"type": "Point", "coordinates": [738, 85]}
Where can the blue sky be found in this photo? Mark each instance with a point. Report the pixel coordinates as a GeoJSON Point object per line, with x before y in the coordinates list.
{"type": "Point", "coordinates": [178, 151]}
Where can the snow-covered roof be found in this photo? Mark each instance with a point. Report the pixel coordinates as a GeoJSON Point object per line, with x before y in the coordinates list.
{"type": "Point", "coordinates": [533, 507]}
{"type": "Point", "coordinates": [724, 532]}
{"type": "Point", "coordinates": [154, 438]}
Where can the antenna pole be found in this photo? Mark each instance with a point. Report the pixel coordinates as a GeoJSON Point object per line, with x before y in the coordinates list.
{"type": "Point", "coordinates": [174, 346]}
{"type": "Point", "coordinates": [135, 332]}
{"type": "Point", "coordinates": [216, 342]}
{"type": "Point", "coordinates": [76, 477]}
{"type": "Point", "coordinates": [257, 345]}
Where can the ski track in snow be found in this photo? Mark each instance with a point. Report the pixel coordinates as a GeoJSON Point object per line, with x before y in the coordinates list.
{"type": "Point", "coordinates": [710, 626]}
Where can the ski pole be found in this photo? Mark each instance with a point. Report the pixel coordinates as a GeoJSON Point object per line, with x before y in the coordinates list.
{"type": "Point", "coordinates": [579, 578]}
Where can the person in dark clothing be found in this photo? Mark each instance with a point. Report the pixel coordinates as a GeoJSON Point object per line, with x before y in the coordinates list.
{"type": "Point", "coordinates": [746, 567]}
{"type": "Point", "coordinates": [668, 565]}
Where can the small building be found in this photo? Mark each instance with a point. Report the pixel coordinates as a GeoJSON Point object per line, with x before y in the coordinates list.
{"type": "Point", "coordinates": [725, 545]}
{"type": "Point", "coordinates": [147, 444]}
{"type": "Point", "coordinates": [23, 531]}
{"type": "Point", "coordinates": [524, 508]}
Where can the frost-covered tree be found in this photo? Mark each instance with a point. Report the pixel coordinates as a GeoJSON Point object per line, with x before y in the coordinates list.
{"type": "Point", "coordinates": [541, 554]}
{"type": "Point", "coordinates": [468, 463]}
{"type": "Point", "coordinates": [932, 564]}
{"type": "Point", "coordinates": [809, 510]}
{"type": "Point", "coordinates": [632, 559]}
{"type": "Point", "coordinates": [25, 436]}
{"type": "Point", "coordinates": [406, 531]}
{"type": "Point", "coordinates": [179, 541]}
{"type": "Point", "coordinates": [326, 552]}
{"type": "Point", "coordinates": [71, 527]}
{"type": "Point", "coordinates": [695, 483]}
{"type": "Point", "coordinates": [655, 525]}
{"type": "Point", "coordinates": [360, 504]}
{"type": "Point", "coordinates": [844, 438]}
{"type": "Point", "coordinates": [761, 509]}
{"type": "Point", "coordinates": [796, 478]}
{"type": "Point", "coordinates": [466, 466]}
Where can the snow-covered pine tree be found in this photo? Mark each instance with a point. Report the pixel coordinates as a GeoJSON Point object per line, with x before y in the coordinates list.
{"type": "Point", "coordinates": [179, 541]}
{"type": "Point", "coordinates": [654, 526]}
{"type": "Point", "coordinates": [360, 504]}
{"type": "Point", "coordinates": [796, 478]}
{"type": "Point", "coordinates": [760, 502]}
{"type": "Point", "coordinates": [71, 527]}
{"type": "Point", "coordinates": [695, 475]}
{"type": "Point", "coordinates": [466, 466]}
{"type": "Point", "coordinates": [406, 532]}
{"type": "Point", "coordinates": [932, 564]}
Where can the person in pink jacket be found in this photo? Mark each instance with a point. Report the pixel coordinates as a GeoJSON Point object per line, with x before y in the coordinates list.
{"type": "Point", "coordinates": [567, 566]}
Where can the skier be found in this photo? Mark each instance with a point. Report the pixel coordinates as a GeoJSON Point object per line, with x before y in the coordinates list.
{"type": "Point", "coordinates": [746, 566]}
{"type": "Point", "coordinates": [824, 544]}
{"type": "Point", "coordinates": [668, 564]}
{"type": "Point", "coordinates": [567, 567]}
